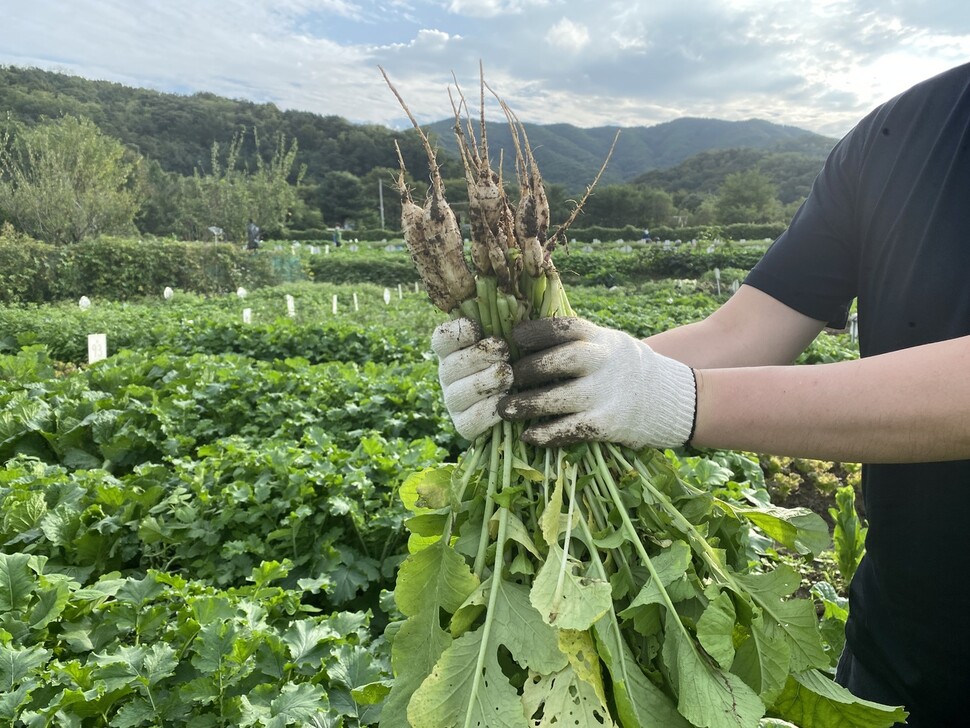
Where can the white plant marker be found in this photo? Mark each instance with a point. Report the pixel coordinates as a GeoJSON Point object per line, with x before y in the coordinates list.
{"type": "Point", "coordinates": [400, 293]}
{"type": "Point", "coordinates": [326, 249]}
{"type": "Point", "coordinates": [335, 304]}
{"type": "Point", "coordinates": [290, 306]}
{"type": "Point", "coordinates": [84, 303]}
{"type": "Point", "coordinates": [247, 315]}
{"type": "Point", "coordinates": [416, 287]}
{"type": "Point", "coordinates": [97, 347]}
{"type": "Point", "coordinates": [168, 293]}
{"type": "Point", "coordinates": [241, 292]}
{"type": "Point", "coordinates": [356, 307]}
{"type": "Point", "coordinates": [735, 286]}
{"type": "Point", "coordinates": [717, 279]}
{"type": "Point", "coordinates": [387, 296]}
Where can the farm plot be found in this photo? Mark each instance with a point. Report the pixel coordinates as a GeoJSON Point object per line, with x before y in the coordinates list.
{"type": "Point", "coordinates": [203, 529]}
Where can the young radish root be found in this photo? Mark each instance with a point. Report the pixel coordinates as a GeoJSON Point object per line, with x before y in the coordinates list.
{"type": "Point", "coordinates": [585, 586]}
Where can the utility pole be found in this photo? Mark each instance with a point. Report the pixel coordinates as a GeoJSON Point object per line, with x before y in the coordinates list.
{"type": "Point", "coordinates": [380, 194]}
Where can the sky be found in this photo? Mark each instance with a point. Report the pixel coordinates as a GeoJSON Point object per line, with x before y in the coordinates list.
{"type": "Point", "coordinates": [816, 64]}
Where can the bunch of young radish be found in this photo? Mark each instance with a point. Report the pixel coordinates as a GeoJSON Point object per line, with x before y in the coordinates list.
{"type": "Point", "coordinates": [587, 586]}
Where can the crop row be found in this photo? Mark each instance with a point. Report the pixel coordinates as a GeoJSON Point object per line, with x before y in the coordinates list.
{"type": "Point", "coordinates": [364, 328]}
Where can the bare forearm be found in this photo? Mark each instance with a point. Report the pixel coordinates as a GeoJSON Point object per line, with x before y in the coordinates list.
{"type": "Point", "coordinates": [751, 329]}
{"type": "Point", "coordinates": [908, 406]}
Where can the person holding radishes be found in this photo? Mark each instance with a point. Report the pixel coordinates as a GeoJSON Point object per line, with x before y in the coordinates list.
{"type": "Point", "coordinates": [887, 223]}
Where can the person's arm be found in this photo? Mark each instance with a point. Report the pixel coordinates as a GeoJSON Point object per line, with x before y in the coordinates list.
{"type": "Point", "coordinates": [750, 329]}
{"type": "Point", "coordinates": [911, 405]}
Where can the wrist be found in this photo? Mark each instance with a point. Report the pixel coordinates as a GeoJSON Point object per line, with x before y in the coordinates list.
{"type": "Point", "coordinates": [675, 402]}
{"type": "Point", "coordinates": [693, 422]}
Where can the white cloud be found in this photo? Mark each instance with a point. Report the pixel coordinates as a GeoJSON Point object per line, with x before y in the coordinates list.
{"type": "Point", "coordinates": [337, 7]}
{"type": "Point", "coordinates": [629, 31]}
{"type": "Point", "coordinates": [492, 8]}
{"type": "Point", "coordinates": [434, 38]}
{"type": "Point", "coordinates": [428, 39]}
{"type": "Point", "coordinates": [568, 35]}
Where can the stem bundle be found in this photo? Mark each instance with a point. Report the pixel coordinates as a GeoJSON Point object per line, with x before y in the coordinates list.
{"type": "Point", "coordinates": [587, 586]}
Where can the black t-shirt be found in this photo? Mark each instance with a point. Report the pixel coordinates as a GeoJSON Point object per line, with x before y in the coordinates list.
{"type": "Point", "coordinates": [888, 221]}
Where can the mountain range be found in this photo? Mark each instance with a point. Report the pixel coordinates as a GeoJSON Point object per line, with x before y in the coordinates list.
{"type": "Point", "coordinates": [178, 131]}
{"type": "Point", "coordinates": [572, 156]}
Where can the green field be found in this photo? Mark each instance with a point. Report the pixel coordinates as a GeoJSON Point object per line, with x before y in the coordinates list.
{"type": "Point", "coordinates": [204, 528]}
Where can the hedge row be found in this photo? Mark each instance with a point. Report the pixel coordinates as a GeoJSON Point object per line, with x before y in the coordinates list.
{"type": "Point", "coordinates": [653, 262]}
{"type": "Point", "coordinates": [386, 268]}
{"type": "Point", "coordinates": [123, 269]}
{"type": "Point", "coordinates": [734, 232]}
{"type": "Point", "coordinates": [737, 231]}
{"type": "Point", "coordinates": [576, 265]}
{"type": "Point", "coordinates": [325, 235]}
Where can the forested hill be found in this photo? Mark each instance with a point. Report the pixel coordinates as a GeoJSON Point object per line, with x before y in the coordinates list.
{"type": "Point", "coordinates": [571, 156]}
{"type": "Point", "coordinates": [178, 131]}
{"type": "Point", "coordinates": [791, 173]}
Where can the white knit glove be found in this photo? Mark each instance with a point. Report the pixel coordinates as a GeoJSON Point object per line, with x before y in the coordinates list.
{"type": "Point", "coordinates": [599, 384]}
{"type": "Point", "coordinates": [474, 374]}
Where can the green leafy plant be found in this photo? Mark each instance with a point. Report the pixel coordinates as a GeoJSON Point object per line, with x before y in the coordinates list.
{"type": "Point", "coordinates": [849, 533]}
{"type": "Point", "coordinates": [161, 650]}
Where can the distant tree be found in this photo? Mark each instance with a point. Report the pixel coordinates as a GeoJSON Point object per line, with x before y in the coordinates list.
{"type": "Point", "coordinates": [63, 181]}
{"type": "Point", "coordinates": [626, 204]}
{"type": "Point", "coordinates": [306, 213]}
{"type": "Point", "coordinates": [229, 194]}
{"type": "Point", "coordinates": [158, 191]}
{"type": "Point", "coordinates": [340, 197]}
{"type": "Point", "coordinates": [657, 207]}
{"type": "Point", "coordinates": [272, 196]}
{"type": "Point", "coordinates": [559, 206]}
{"type": "Point", "coordinates": [747, 196]}
{"type": "Point", "coordinates": [610, 206]}
{"type": "Point", "coordinates": [706, 212]}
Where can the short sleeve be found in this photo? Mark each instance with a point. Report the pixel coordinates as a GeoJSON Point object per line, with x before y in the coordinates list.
{"type": "Point", "coordinates": [813, 266]}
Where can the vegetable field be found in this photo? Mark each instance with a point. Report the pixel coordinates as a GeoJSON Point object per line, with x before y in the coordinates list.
{"type": "Point", "coordinates": [205, 528]}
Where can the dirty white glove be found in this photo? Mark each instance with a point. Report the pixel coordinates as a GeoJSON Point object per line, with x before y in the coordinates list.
{"type": "Point", "coordinates": [474, 374]}
{"type": "Point", "coordinates": [585, 382]}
